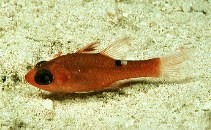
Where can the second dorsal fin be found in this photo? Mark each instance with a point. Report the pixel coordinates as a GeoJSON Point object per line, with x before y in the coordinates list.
{"type": "Point", "coordinates": [118, 48]}
{"type": "Point", "coordinates": [89, 48]}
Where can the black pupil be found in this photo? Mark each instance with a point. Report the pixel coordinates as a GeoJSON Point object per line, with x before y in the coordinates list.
{"type": "Point", "coordinates": [43, 77]}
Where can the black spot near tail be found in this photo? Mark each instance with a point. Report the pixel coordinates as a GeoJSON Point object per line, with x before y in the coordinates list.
{"type": "Point", "coordinates": [118, 63]}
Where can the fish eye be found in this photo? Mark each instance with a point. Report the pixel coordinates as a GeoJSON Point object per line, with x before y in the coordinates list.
{"type": "Point", "coordinates": [43, 77]}
{"type": "Point", "coordinates": [37, 66]}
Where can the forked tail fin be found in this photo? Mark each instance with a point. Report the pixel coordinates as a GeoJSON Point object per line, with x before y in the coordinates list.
{"type": "Point", "coordinates": [171, 67]}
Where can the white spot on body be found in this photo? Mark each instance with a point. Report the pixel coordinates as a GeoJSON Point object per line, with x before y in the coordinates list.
{"type": "Point", "coordinates": [123, 62]}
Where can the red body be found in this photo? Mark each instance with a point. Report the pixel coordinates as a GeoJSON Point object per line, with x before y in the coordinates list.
{"type": "Point", "coordinates": [84, 72]}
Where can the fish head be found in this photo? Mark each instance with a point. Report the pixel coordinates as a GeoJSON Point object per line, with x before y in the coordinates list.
{"type": "Point", "coordinates": [47, 76]}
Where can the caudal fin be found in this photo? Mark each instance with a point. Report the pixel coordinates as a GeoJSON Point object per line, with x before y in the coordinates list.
{"type": "Point", "coordinates": [171, 67]}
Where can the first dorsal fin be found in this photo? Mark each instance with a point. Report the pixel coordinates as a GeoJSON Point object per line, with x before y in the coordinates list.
{"type": "Point", "coordinates": [118, 48]}
{"type": "Point", "coordinates": [89, 48]}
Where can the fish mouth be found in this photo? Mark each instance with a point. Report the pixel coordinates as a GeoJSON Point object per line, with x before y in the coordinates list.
{"type": "Point", "coordinates": [29, 77]}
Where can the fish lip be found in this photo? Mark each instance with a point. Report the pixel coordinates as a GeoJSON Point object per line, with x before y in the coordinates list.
{"type": "Point", "coordinates": [29, 77]}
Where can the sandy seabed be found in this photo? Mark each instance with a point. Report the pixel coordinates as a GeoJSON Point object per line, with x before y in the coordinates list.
{"type": "Point", "coordinates": [32, 31]}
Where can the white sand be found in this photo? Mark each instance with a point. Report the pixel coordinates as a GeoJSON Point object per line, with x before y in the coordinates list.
{"type": "Point", "coordinates": [35, 31]}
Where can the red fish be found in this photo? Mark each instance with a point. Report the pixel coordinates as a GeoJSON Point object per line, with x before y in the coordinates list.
{"type": "Point", "coordinates": [83, 71]}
